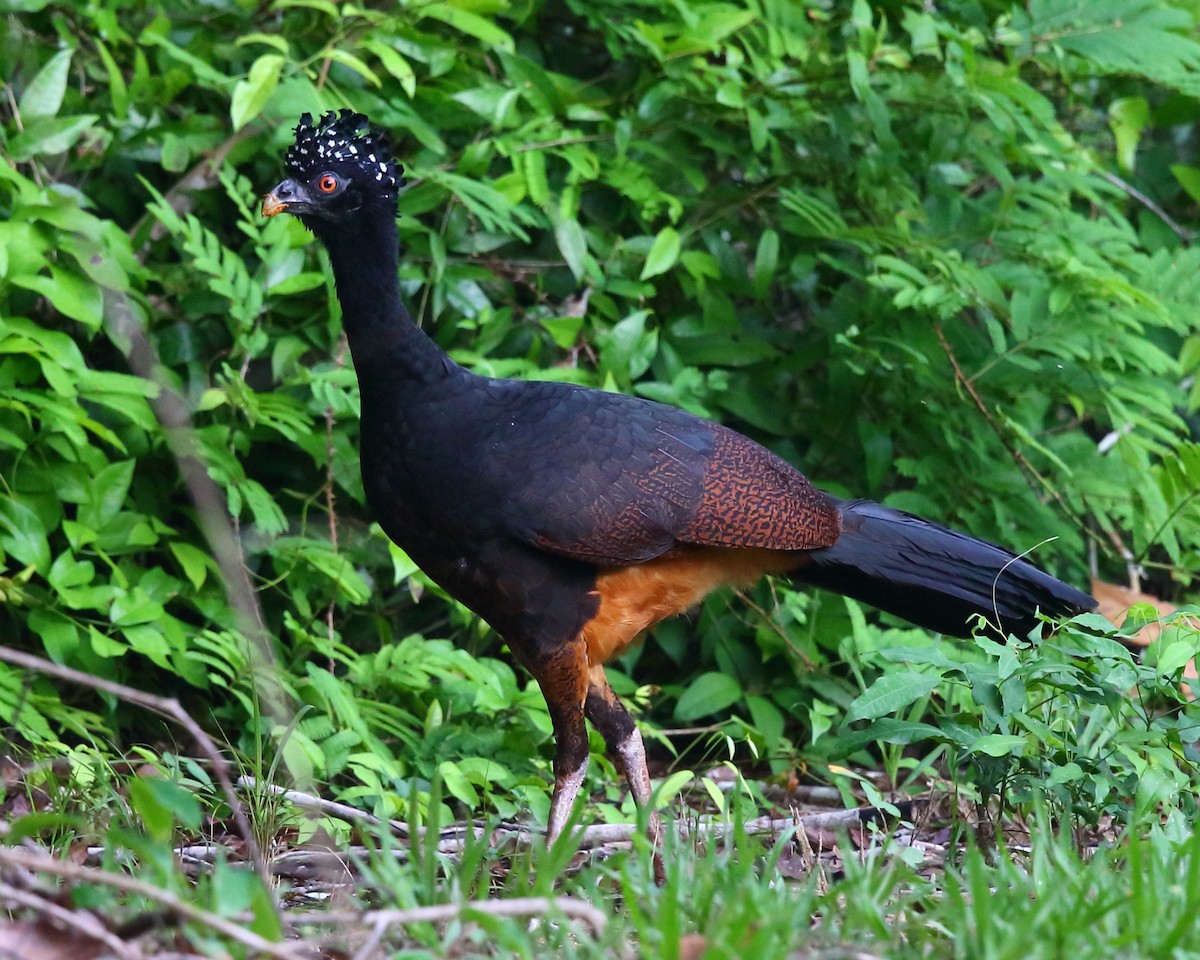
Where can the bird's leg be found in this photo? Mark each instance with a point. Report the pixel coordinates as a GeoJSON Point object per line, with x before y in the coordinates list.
{"type": "Point", "coordinates": [562, 675]}
{"type": "Point", "coordinates": [624, 742]}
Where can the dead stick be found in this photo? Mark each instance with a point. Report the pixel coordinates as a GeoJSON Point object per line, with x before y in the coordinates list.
{"type": "Point", "coordinates": [164, 707]}
{"type": "Point", "coordinates": [80, 921]}
{"type": "Point", "coordinates": [29, 860]}
{"type": "Point", "coordinates": [516, 907]}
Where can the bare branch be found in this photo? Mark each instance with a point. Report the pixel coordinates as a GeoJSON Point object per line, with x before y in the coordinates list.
{"type": "Point", "coordinates": [44, 863]}
{"type": "Point", "coordinates": [1183, 233]}
{"type": "Point", "coordinates": [571, 907]}
{"type": "Point", "coordinates": [80, 921]}
{"type": "Point", "coordinates": [169, 708]}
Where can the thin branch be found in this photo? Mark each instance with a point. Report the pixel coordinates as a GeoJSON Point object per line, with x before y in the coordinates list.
{"type": "Point", "coordinates": [571, 907]}
{"type": "Point", "coordinates": [80, 921]}
{"type": "Point", "coordinates": [563, 142]}
{"type": "Point", "coordinates": [1018, 455]}
{"type": "Point", "coordinates": [202, 176]}
{"type": "Point", "coordinates": [44, 863]}
{"type": "Point", "coordinates": [330, 808]}
{"type": "Point", "coordinates": [169, 708]}
{"type": "Point", "coordinates": [339, 361]}
{"type": "Point", "coordinates": [1183, 233]}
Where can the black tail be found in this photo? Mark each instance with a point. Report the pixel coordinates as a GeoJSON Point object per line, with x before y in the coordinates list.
{"type": "Point", "coordinates": [935, 577]}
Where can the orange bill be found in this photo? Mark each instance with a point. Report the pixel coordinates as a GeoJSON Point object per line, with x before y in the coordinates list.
{"type": "Point", "coordinates": [271, 205]}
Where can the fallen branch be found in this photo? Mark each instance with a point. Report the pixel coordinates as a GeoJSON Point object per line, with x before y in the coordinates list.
{"type": "Point", "coordinates": [169, 708]}
{"type": "Point", "coordinates": [571, 907]}
{"type": "Point", "coordinates": [453, 838]}
{"type": "Point", "coordinates": [44, 863]}
{"type": "Point", "coordinates": [82, 922]}
{"type": "Point", "coordinates": [329, 808]}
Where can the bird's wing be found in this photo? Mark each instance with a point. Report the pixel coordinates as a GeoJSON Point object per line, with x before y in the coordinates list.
{"type": "Point", "coordinates": [613, 480]}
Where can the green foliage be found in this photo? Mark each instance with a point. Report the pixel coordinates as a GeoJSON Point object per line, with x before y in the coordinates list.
{"type": "Point", "coordinates": [1074, 723]}
{"type": "Point", "coordinates": [890, 241]}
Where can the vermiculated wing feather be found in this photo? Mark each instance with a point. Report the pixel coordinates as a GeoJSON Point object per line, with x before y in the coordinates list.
{"type": "Point", "coordinates": [614, 480]}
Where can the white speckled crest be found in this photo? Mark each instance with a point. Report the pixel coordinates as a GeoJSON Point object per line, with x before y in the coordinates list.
{"type": "Point", "coordinates": [344, 138]}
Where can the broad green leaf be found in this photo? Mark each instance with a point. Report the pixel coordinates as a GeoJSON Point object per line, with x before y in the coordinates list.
{"type": "Point", "coordinates": [1128, 117]}
{"type": "Point", "coordinates": [194, 561]}
{"type": "Point", "coordinates": [23, 533]}
{"type": "Point", "coordinates": [572, 243]}
{"type": "Point", "coordinates": [72, 295]}
{"type": "Point", "coordinates": [50, 136]}
{"type": "Point", "coordinates": [669, 789]}
{"type": "Point", "coordinates": [58, 633]}
{"type": "Point", "coordinates": [766, 259]}
{"type": "Point", "coordinates": [709, 693]}
{"type": "Point", "coordinates": [1175, 653]}
{"type": "Point", "coordinates": [163, 804]}
{"type": "Point", "coordinates": [396, 65]}
{"type": "Point", "coordinates": [237, 890]}
{"type": "Point", "coordinates": [628, 348]}
{"type": "Point", "coordinates": [338, 55]}
{"type": "Point", "coordinates": [563, 330]}
{"type": "Point", "coordinates": [1000, 745]}
{"type": "Point", "coordinates": [1189, 179]}
{"type": "Point", "coordinates": [457, 784]}
{"type": "Point", "coordinates": [891, 692]}
{"type": "Point", "coordinates": [43, 96]}
{"type": "Point", "coordinates": [107, 494]}
{"type": "Point", "coordinates": [470, 23]}
{"type": "Point", "coordinates": [251, 95]}
{"type": "Point", "coordinates": [663, 253]}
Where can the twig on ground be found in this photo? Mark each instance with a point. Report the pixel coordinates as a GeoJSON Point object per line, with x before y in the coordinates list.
{"type": "Point", "coordinates": [329, 808]}
{"type": "Point", "coordinates": [80, 921]}
{"type": "Point", "coordinates": [30, 860]}
{"type": "Point", "coordinates": [169, 708]}
{"type": "Point", "coordinates": [571, 907]}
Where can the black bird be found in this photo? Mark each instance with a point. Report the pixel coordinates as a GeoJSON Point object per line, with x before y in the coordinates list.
{"type": "Point", "coordinates": [572, 519]}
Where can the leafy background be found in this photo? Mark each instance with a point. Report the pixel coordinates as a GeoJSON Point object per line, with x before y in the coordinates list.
{"type": "Point", "coordinates": [938, 257]}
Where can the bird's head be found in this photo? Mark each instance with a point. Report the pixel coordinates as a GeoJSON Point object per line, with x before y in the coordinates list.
{"type": "Point", "coordinates": [336, 168]}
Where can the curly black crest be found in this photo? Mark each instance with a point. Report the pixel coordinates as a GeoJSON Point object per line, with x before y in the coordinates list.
{"type": "Point", "coordinates": [345, 138]}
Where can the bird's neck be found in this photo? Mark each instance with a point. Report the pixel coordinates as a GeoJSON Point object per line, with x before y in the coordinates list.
{"type": "Point", "coordinates": [384, 341]}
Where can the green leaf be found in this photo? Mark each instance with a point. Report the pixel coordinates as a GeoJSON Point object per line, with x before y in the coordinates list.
{"type": "Point", "coordinates": [1175, 654]}
{"type": "Point", "coordinates": [627, 349]}
{"type": "Point", "coordinates": [457, 784]}
{"type": "Point", "coordinates": [571, 242]}
{"type": "Point", "coordinates": [72, 295]}
{"type": "Point", "coordinates": [1189, 179]}
{"type": "Point", "coordinates": [22, 534]}
{"type": "Point", "coordinates": [663, 253]}
{"type": "Point", "coordinates": [106, 494]}
{"type": "Point", "coordinates": [766, 259]}
{"type": "Point", "coordinates": [394, 64]}
{"type": "Point", "coordinates": [43, 97]}
{"type": "Point", "coordinates": [1128, 118]}
{"type": "Point", "coordinates": [162, 804]}
{"type": "Point", "coordinates": [237, 890]}
{"type": "Point", "coordinates": [1000, 745]}
{"type": "Point", "coordinates": [709, 693]}
{"type": "Point", "coordinates": [251, 95]}
{"type": "Point", "coordinates": [563, 330]}
{"type": "Point", "coordinates": [669, 789]}
{"type": "Point", "coordinates": [891, 692]}
{"type": "Point", "coordinates": [48, 137]}
{"type": "Point", "coordinates": [354, 63]}
{"type": "Point", "coordinates": [471, 24]}
{"type": "Point", "coordinates": [194, 561]}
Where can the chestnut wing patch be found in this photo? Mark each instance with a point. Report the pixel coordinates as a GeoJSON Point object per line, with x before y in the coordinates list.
{"type": "Point", "coordinates": [613, 480]}
{"type": "Point", "coordinates": [752, 498]}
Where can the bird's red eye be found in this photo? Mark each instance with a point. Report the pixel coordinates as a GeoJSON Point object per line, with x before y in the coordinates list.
{"type": "Point", "coordinates": [328, 183]}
